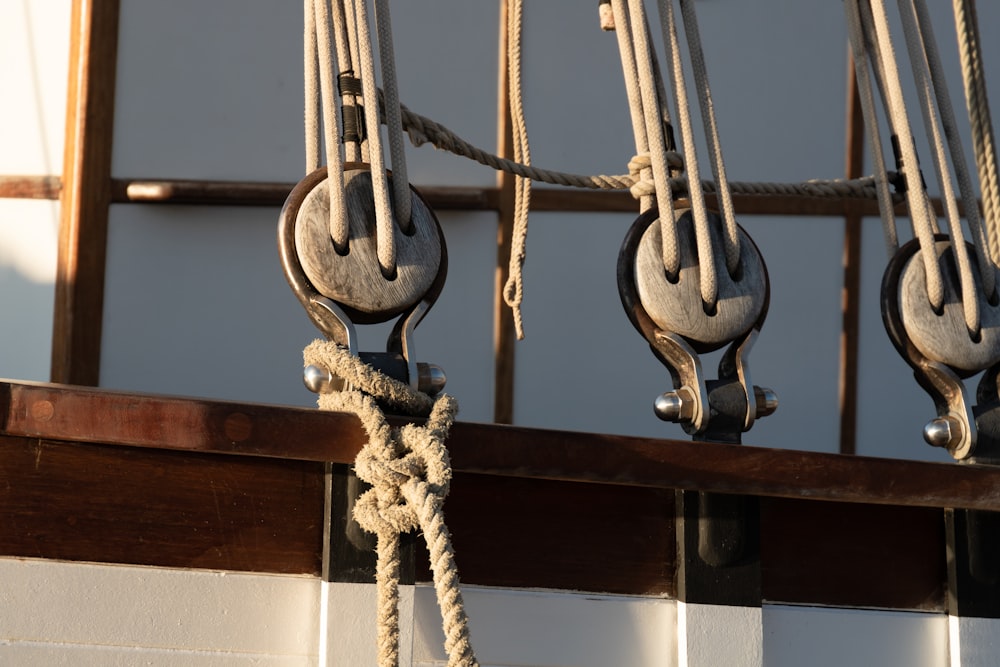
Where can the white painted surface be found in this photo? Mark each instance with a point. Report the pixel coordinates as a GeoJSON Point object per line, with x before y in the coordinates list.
{"type": "Point", "coordinates": [709, 635]}
{"type": "Point", "coordinates": [974, 642]}
{"type": "Point", "coordinates": [549, 629]}
{"type": "Point", "coordinates": [71, 613]}
{"type": "Point", "coordinates": [825, 637]}
{"type": "Point", "coordinates": [34, 48]}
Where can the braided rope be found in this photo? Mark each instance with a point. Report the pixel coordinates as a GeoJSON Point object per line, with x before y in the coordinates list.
{"type": "Point", "coordinates": [924, 223]}
{"type": "Point", "coordinates": [410, 474]}
{"type": "Point", "coordinates": [978, 105]}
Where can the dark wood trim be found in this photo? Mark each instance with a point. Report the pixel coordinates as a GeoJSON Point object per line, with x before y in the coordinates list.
{"type": "Point", "coordinates": [852, 555]}
{"type": "Point", "coordinates": [86, 193]}
{"type": "Point", "coordinates": [251, 193]}
{"type": "Point", "coordinates": [157, 507]}
{"type": "Point", "coordinates": [79, 414]}
{"type": "Point", "coordinates": [30, 187]}
{"type": "Point", "coordinates": [851, 292]}
{"type": "Point", "coordinates": [95, 475]}
{"type": "Point", "coordinates": [504, 337]}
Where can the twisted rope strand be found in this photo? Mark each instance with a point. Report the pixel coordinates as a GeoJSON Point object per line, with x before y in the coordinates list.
{"type": "Point", "coordinates": [978, 106]}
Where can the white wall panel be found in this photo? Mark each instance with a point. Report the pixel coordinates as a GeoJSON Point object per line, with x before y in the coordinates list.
{"type": "Point", "coordinates": [547, 629]}
{"type": "Point", "coordinates": [34, 50]}
{"type": "Point", "coordinates": [824, 637]}
{"type": "Point", "coordinates": [73, 613]}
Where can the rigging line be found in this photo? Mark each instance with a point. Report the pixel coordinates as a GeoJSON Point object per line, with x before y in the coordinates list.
{"type": "Point", "coordinates": [623, 35]}
{"type": "Point", "coordinates": [654, 133]}
{"type": "Point", "coordinates": [695, 52]}
{"type": "Point", "coordinates": [393, 119]}
{"type": "Point", "coordinates": [311, 89]}
{"type": "Point", "coordinates": [384, 226]}
{"type": "Point", "coordinates": [918, 63]}
{"type": "Point", "coordinates": [947, 114]}
{"type": "Point", "coordinates": [352, 149]}
{"type": "Point", "coordinates": [706, 256]}
{"type": "Point", "coordinates": [866, 96]}
{"type": "Point", "coordinates": [916, 195]}
{"type": "Point", "coordinates": [980, 123]}
{"type": "Point", "coordinates": [339, 225]}
{"type": "Point", "coordinates": [514, 288]}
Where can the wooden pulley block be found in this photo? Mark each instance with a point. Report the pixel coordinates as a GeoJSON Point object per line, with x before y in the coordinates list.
{"type": "Point", "coordinates": [353, 278]}
{"type": "Point", "coordinates": [943, 336]}
{"type": "Point", "coordinates": [676, 305]}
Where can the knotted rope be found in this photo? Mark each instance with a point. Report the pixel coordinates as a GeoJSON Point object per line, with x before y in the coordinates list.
{"type": "Point", "coordinates": [410, 473]}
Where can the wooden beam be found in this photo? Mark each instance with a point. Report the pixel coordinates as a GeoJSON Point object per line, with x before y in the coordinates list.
{"type": "Point", "coordinates": [30, 187]}
{"type": "Point", "coordinates": [504, 337]}
{"type": "Point", "coordinates": [86, 193]}
{"type": "Point", "coordinates": [82, 415]}
{"type": "Point", "coordinates": [850, 300]}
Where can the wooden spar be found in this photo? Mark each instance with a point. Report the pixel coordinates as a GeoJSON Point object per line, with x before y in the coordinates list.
{"type": "Point", "coordinates": [446, 198]}
{"type": "Point", "coordinates": [85, 193]}
{"type": "Point", "coordinates": [504, 337]}
{"type": "Point", "coordinates": [851, 293]}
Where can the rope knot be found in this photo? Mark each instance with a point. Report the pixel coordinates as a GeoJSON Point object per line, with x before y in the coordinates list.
{"type": "Point", "coordinates": [640, 168]}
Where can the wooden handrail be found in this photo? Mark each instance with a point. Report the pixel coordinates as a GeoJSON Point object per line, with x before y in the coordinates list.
{"type": "Point", "coordinates": [86, 415]}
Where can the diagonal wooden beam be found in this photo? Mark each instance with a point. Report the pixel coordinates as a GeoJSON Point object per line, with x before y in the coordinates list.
{"type": "Point", "coordinates": [86, 193]}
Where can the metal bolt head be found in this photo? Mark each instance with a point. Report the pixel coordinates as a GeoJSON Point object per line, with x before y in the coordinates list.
{"type": "Point", "coordinates": [431, 378]}
{"type": "Point", "coordinates": [942, 432]}
{"type": "Point", "coordinates": [767, 401]}
{"type": "Point", "coordinates": [668, 406]}
{"type": "Point", "coordinates": [317, 379]}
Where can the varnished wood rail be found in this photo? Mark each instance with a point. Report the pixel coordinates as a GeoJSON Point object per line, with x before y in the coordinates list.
{"type": "Point", "coordinates": [85, 415]}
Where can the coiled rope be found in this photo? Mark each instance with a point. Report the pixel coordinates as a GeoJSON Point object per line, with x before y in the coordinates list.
{"type": "Point", "coordinates": [410, 474]}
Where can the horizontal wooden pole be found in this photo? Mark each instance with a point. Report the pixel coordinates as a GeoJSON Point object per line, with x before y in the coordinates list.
{"type": "Point", "coordinates": [444, 198]}
{"type": "Point", "coordinates": [30, 187]}
{"type": "Point", "coordinates": [75, 414]}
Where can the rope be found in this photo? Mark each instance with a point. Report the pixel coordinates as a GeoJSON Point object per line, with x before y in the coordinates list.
{"type": "Point", "coordinates": [977, 103]}
{"type": "Point", "coordinates": [320, 86]}
{"type": "Point", "coordinates": [929, 74]}
{"type": "Point", "coordinates": [410, 473]}
{"type": "Point", "coordinates": [385, 233]}
{"type": "Point", "coordinates": [923, 225]}
{"type": "Point", "coordinates": [400, 182]}
{"type": "Point", "coordinates": [623, 31]}
{"type": "Point", "coordinates": [699, 209]}
{"type": "Point", "coordinates": [644, 59]}
{"type": "Point", "coordinates": [513, 291]}
{"type": "Point", "coordinates": [861, 58]}
{"type": "Point", "coordinates": [732, 237]}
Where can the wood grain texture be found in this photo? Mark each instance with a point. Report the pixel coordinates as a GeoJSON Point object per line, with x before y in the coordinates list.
{"type": "Point", "coordinates": [355, 279]}
{"type": "Point", "coordinates": [542, 534]}
{"type": "Point", "coordinates": [30, 187]}
{"type": "Point", "coordinates": [945, 337]}
{"type": "Point", "coordinates": [46, 411]}
{"type": "Point", "coordinates": [852, 555]}
{"type": "Point", "coordinates": [170, 509]}
{"type": "Point", "coordinates": [677, 306]}
{"type": "Point", "coordinates": [504, 336]}
{"type": "Point", "coordinates": [86, 193]}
